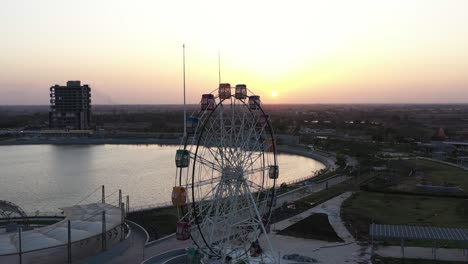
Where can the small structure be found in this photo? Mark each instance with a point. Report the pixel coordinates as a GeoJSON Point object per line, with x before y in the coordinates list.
{"type": "Point", "coordinates": [403, 233]}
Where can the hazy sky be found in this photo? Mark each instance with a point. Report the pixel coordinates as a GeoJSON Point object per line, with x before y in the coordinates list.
{"type": "Point", "coordinates": [130, 52]}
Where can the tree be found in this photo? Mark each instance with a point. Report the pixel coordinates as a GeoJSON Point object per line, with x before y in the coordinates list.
{"type": "Point", "coordinates": [340, 160]}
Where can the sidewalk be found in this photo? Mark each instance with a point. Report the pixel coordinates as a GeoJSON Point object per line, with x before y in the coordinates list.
{"type": "Point", "coordinates": [122, 255]}
{"type": "Point", "coordinates": [302, 192]}
{"type": "Point", "coordinates": [323, 251]}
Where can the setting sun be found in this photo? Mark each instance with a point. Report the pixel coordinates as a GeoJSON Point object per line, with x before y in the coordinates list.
{"type": "Point", "coordinates": [274, 94]}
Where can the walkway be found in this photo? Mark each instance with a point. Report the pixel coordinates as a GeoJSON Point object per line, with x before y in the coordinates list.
{"type": "Point", "coordinates": [325, 252]}
{"type": "Point", "coordinates": [302, 192]}
{"type": "Point", "coordinates": [165, 246]}
{"type": "Point", "coordinates": [133, 252]}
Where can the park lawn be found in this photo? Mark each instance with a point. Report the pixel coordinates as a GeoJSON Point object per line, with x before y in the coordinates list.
{"type": "Point", "coordinates": [364, 208]}
{"type": "Point", "coordinates": [158, 222]}
{"type": "Point", "coordinates": [434, 173]}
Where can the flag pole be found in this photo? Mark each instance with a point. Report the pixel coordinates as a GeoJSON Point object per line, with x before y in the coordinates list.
{"type": "Point", "coordinates": [219, 67]}
{"type": "Point", "coordinates": [185, 107]}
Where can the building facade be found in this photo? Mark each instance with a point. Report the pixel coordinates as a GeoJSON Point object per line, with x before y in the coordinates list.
{"type": "Point", "coordinates": [70, 106]}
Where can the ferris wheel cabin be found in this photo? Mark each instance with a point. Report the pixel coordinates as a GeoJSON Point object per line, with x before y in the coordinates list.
{"type": "Point", "coordinates": [273, 172]}
{"type": "Point", "coordinates": [182, 230]}
{"type": "Point", "coordinates": [208, 102]}
{"type": "Point", "coordinates": [182, 158]}
{"type": "Point", "coordinates": [241, 91]}
{"type": "Point", "coordinates": [224, 91]}
{"type": "Point", "coordinates": [254, 102]}
{"type": "Point", "coordinates": [179, 196]}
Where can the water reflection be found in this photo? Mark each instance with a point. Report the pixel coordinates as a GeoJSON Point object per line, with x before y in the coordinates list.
{"type": "Point", "coordinates": [45, 177]}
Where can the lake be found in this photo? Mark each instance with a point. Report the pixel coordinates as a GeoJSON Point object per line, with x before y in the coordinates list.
{"type": "Point", "coordinates": [47, 177]}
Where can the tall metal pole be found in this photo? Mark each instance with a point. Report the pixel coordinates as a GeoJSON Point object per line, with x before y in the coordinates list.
{"type": "Point", "coordinates": [219, 67]}
{"type": "Point", "coordinates": [122, 220]}
{"type": "Point", "coordinates": [103, 194]}
{"type": "Point", "coordinates": [69, 243]}
{"type": "Point", "coordinates": [120, 197]}
{"type": "Point", "coordinates": [20, 246]}
{"type": "Point", "coordinates": [104, 231]}
{"type": "Point", "coordinates": [185, 107]}
{"type": "Point", "coordinates": [128, 206]}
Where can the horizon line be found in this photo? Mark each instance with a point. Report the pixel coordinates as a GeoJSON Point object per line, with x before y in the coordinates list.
{"type": "Point", "coordinates": [181, 104]}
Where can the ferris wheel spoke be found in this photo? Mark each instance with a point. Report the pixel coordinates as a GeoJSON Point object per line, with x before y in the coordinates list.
{"type": "Point", "coordinates": [206, 162]}
{"type": "Point", "coordinates": [254, 171]}
{"type": "Point", "coordinates": [256, 149]}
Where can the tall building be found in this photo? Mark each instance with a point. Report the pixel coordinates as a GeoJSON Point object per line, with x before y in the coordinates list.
{"type": "Point", "coordinates": [70, 106]}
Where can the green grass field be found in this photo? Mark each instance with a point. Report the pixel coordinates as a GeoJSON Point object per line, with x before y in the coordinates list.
{"type": "Point", "coordinates": [432, 173]}
{"type": "Point", "coordinates": [158, 222]}
{"type": "Point", "coordinates": [363, 208]}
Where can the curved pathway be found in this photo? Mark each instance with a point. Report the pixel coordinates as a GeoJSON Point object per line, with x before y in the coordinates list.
{"type": "Point", "coordinates": [120, 254]}
{"type": "Point", "coordinates": [323, 251]}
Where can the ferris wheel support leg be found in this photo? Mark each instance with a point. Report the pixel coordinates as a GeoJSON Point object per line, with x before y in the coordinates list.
{"type": "Point", "coordinates": [262, 226]}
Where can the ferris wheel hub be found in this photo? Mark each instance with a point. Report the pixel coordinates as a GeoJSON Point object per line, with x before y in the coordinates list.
{"type": "Point", "coordinates": [232, 173]}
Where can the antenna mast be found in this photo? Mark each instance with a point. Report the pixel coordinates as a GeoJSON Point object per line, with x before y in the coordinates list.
{"type": "Point", "coordinates": [219, 67]}
{"type": "Point", "coordinates": [185, 107]}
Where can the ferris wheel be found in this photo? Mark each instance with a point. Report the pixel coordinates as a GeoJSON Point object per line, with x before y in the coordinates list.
{"type": "Point", "coordinates": [226, 176]}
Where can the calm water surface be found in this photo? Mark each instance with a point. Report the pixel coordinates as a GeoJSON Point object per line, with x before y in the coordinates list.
{"type": "Point", "coordinates": [46, 177]}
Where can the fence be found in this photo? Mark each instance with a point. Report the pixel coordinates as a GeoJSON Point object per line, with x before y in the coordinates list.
{"type": "Point", "coordinates": [65, 253]}
{"type": "Point", "coordinates": [57, 243]}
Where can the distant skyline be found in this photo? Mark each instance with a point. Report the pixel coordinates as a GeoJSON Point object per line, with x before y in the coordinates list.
{"type": "Point", "coordinates": [130, 52]}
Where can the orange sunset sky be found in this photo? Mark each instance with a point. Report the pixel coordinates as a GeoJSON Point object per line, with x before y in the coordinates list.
{"type": "Point", "coordinates": [130, 52]}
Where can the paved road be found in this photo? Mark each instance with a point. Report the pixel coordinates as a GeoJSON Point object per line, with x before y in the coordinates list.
{"type": "Point", "coordinates": [304, 191]}
{"type": "Point", "coordinates": [119, 255]}
{"type": "Point", "coordinates": [165, 246]}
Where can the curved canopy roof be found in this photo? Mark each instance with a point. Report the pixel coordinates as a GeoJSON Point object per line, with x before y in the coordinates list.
{"type": "Point", "coordinates": [85, 220]}
{"type": "Point", "coordinates": [10, 207]}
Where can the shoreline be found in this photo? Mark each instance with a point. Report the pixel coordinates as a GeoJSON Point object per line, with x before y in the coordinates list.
{"type": "Point", "coordinates": [91, 141]}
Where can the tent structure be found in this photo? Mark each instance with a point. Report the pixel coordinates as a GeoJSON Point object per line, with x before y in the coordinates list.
{"type": "Point", "coordinates": [86, 222]}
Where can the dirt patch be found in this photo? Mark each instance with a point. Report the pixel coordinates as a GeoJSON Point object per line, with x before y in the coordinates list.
{"type": "Point", "coordinates": [315, 226]}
